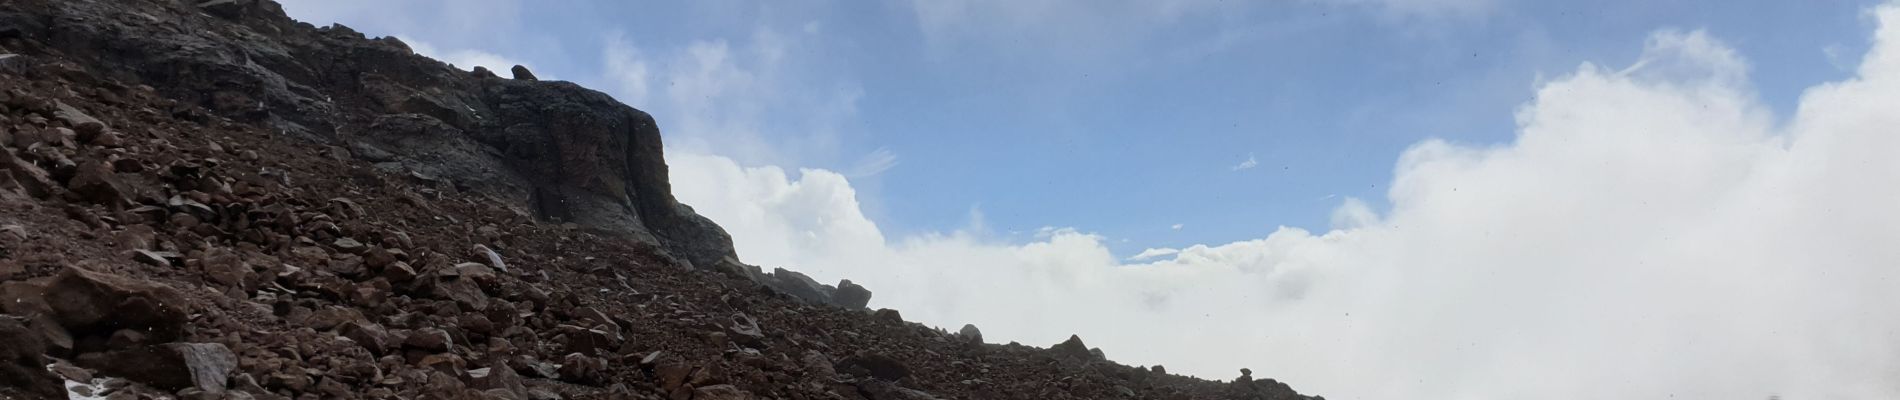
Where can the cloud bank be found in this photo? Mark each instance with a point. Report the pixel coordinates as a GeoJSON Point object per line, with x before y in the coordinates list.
{"type": "Point", "coordinates": [1651, 232]}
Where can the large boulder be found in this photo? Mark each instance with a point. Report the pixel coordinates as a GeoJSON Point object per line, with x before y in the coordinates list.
{"type": "Point", "coordinates": [89, 303]}
{"type": "Point", "coordinates": [205, 366]}
{"type": "Point", "coordinates": [1072, 348]}
{"type": "Point", "coordinates": [851, 295]}
{"type": "Point", "coordinates": [23, 371]}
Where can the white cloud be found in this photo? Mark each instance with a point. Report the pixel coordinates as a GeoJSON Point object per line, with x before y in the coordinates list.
{"type": "Point", "coordinates": [1153, 253]}
{"type": "Point", "coordinates": [716, 97]}
{"type": "Point", "coordinates": [1249, 164]}
{"type": "Point", "coordinates": [1652, 232]}
{"type": "Point", "coordinates": [1177, 226]}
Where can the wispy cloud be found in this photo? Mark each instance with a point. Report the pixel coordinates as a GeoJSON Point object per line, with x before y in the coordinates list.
{"type": "Point", "coordinates": [874, 163]}
{"type": "Point", "coordinates": [1246, 165]}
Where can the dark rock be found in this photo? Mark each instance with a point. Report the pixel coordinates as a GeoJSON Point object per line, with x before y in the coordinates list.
{"type": "Point", "coordinates": [26, 177]}
{"type": "Point", "coordinates": [720, 392]}
{"type": "Point", "coordinates": [499, 377]}
{"type": "Point", "coordinates": [368, 334]}
{"type": "Point", "coordinates": [793, 283]}
{"type": "Point", "coordinates": [228, 9]}
{"type": "Point", "coordinates": [95, 182]}
{"type": "Point", "coordinates": [522, 73]}
{"type": "Point", "coordinates": [746, 331]}
{"type": "Point", "coordinates": [971, 334]}
{"type": "Point", "coordinates": [430, 340]}
{"type": "Point", "coordinates": [889, 315]}
{"type": "Point", "coordinates": [1072, 348]}
{"type": "Point", "coordinates": [97, 303]}
{"type": "Point", "coordinates": [582, 369]}
{"type": "Point", "coordinates": [493, 258]}
{"type": "Point", "coordinates": [22, 368]}
{"type": "Point", "coordinates": [874, 365]}
{"type": "Point", "coordinates": [86, 127]}
{"type": "Point", "coordinates": [851, 295]}
{"type": "Point", "coordinates": [884, 390]}
{"type": "Point", "coordinates": [585, 340]}
{"type": "Point", "coordinates": [173, 366]}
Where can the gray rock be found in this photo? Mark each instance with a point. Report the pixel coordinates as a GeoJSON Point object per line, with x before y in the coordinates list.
{"type": "Point", "coordinates": [970, 333]}
{"type": "Point", "coordinates": [521, 73]}
{"type": "Point", "coordinates": [851, 295]}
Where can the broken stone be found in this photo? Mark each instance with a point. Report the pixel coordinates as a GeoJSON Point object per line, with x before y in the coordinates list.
{"type": "Point", "coordinates": [95, 182]}
{"type": "Point", "coordinates": [522, 73]}
{"type": "Point", "coordinates": [582, 369]}
{"type": "Point", "coordinates": [720, 392]}
{"type": "Point", "coordinates": [1072, 348]}
{"type": "Point", "coordinates": [874, 365]}
{"type": "Point", "coordinates": [746, 331]}
{"type": "Point", "coordinates": [367, 334]}
{"type": "Point", "coordinates": [971, 334]}
{"type": "Point", "coordinates": [22, 368]}
{"type": "Point", "coordinates": [889, 315]}
{"type": "Point", "coordinates": [429, 339]}
{"type": "Point", "coordinates": [851, 295]}
{"type": "Point", "coordinates": [173, 366]}
{"type": "Point", "coordinates": [883, 390]}
{"type": "Point", "coordinates": [155, 258]}
{"type": "Point", "coordinates": [585, 340]}
{"type": "Point", "coordinates": [348, 245]}
{"type": "Point", "coordinates": [494, 259]}
{"type": "Point", "coordinates": [87, 302]}
{"type": "Point", "coordinates": [502, 378]}
{"type": "Point", "coordinates": [85, 125]}
{"type": "Point", "coordinates": [26, 177]}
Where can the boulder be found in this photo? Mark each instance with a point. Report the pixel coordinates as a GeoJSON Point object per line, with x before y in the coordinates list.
{"type": "Point", "coordinates": [85, 126]}
{"type": "Point", "coordinates": [883, 390]}
{"type": "Point", "coordinates": [498, 377]}
{"type": "Point", "coordinates": [798, 285]}
{"type": "Point", "coordinates": [430, 340]}
{"type": "Point", "coordinates": [369, 335]}
{"type": "Point", "coordinates": [22, 367]}
{"type": "Point", "coordinates": [493, 258]}
{"type": "Point", "coordinates": [97, 303]}
{"type": "Point", "coordinates": [720, 392]}
{"type": "Point", "coordinates": [888, 315]}
{"type": "Point", "coordinates": [874, 365]}
{"type": "Point", "coordinates": [173, 366]}
{"type": "Point", "coordinates": [970, 333]}
{"type": "Point", "coordinates": [25, 177]}
{"type": "Point", "coordinates": [1072, 348]}
{"type": "Point", "coordinates": [583, 369]}
{"type": "Point", "coordinates": [96, 183]}
{"type": "Point", "coordinates": [521, 73]}
{"type": "Point", "coordinates": [745, 330]}
{"type": "Point", "coordinates": [851, 295]}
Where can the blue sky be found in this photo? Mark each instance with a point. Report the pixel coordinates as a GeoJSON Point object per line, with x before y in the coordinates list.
{"type": "Point", "coordinates": [1375, 199]}
{"type": "Point", "coordinates": [1125, 118]}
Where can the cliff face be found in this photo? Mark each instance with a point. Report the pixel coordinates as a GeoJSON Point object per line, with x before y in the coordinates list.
{"type": "Point", "coordinates": [208, 200]}
{"type": "Point", "coordinates": [551, 150]}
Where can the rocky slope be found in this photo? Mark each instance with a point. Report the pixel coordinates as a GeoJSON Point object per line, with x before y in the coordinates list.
{"type": "Point", "coordinates": [209, 200]}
